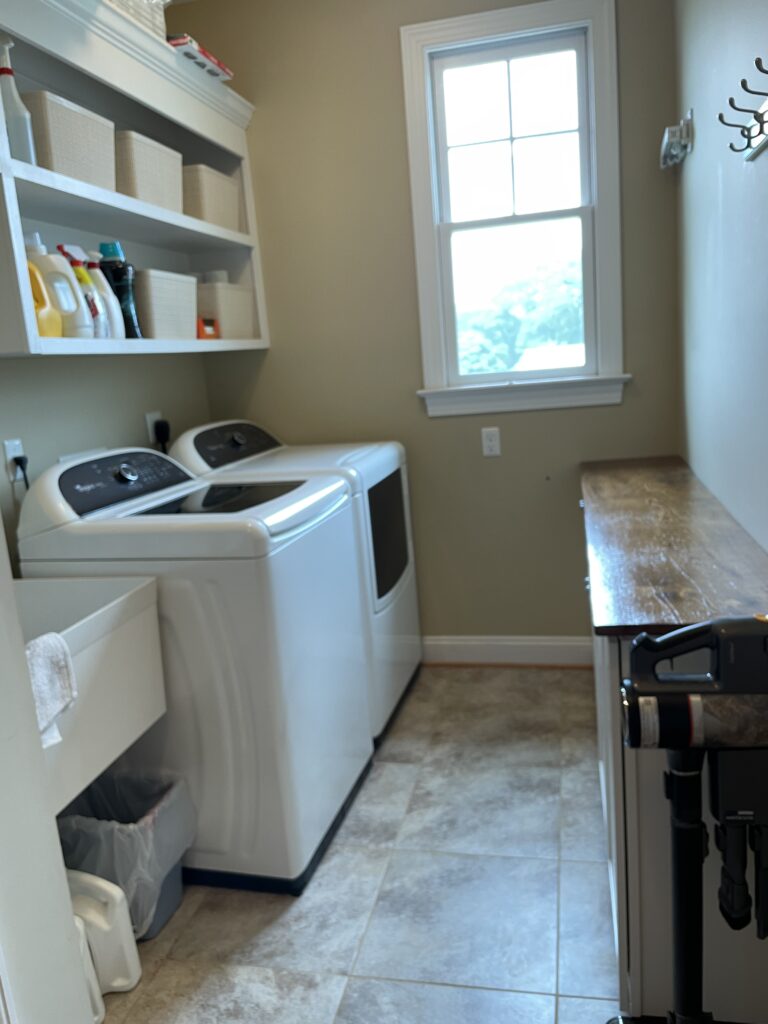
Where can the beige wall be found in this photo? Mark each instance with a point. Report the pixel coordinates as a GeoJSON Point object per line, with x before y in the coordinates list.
{"type": "Point", "coordinates": [64, 405]}
{"type": "Point", "coordinates": [498, 541]}
{"type": "Point", "coordinates": [724, 217]}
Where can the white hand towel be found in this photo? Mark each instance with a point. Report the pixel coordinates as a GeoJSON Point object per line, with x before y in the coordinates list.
{"type": "Point", "coordinates": [53, 682]}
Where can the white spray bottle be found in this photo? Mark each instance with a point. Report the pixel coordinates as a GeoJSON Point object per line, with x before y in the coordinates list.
{"type": "Point", "coordinates": [18, 121]}
{"type": "Point", "coordinates": [77, 260]}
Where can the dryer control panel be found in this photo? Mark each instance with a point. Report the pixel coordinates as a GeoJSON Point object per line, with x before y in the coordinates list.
{"type": "Point", "coordinates": [121, 476]}
{"type": "Point", "coordinates": [232, 442]}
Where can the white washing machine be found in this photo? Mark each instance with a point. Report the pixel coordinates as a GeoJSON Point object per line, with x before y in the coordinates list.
{"type": "Point", "coordinates": [378, 477]}
{"type": "Point", "coordinates": [262, 644]}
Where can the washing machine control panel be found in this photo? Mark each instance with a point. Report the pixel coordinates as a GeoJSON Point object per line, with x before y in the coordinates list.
{"type": "Point", "coordinates": [232, 442]}
{"type": "Point", "coordinates": [111, 479]}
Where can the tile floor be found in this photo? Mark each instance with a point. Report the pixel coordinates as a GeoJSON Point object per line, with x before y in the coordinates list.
{"type": "Point", "coordinates": [468, 884]}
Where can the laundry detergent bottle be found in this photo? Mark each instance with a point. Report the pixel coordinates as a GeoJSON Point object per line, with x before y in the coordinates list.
{"type": "Point", "coordinates": [77, 260]}
{"type": "Point", "coordinates": [108, 297]}
{"type": "Point", "coordinates": [18, 120]}
{"type": "Point", "coordinates": [120, 274]}
{"type": "Point", "coordinates": [49, 323]}
{"type": "Point", "coordinates": [62, 287]}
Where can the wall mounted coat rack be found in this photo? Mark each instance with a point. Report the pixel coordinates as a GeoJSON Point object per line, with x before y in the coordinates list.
{"type": "Point", "coordinates": [753, 135]}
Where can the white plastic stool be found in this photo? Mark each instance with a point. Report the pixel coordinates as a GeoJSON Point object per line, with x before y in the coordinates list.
{"type": "Point", "coordinates": [104, 910]}
{"type": "Point", "coordinates": [98, 1010]}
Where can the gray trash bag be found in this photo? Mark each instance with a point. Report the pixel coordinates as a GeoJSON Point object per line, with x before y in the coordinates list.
{"type": "Point", "coordinates": [130, 830]}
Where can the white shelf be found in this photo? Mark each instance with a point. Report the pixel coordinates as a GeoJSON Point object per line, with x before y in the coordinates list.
{"type": "Point", "coordinates": [142, 346]}
{"type": "Point", "coordinates": [55, 198]}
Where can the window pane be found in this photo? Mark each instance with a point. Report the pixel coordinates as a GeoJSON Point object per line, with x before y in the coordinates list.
{"type": "Point", "coordinates": [480, 181]}
{"type": "Point", "coordinates": [519, 297]}
{"type": "Point", "coordinates": [476, 103]}
{"type": "Point", "coordinates": [547, 173]}
{"type": "Point", "coordinates": [545, 96]}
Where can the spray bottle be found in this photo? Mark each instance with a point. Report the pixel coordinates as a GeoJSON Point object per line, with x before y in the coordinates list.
{"type": "Point", "coordinates": [77, 260]}
{"type": "Point", "coordinates": [17, 118]}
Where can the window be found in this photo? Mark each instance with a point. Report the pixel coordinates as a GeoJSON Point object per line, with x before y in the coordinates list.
{"type": "Point", "coordinates": [513, 137]}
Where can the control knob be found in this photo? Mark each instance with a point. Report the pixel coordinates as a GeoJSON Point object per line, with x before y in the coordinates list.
{"type": "Point", "coordinates": [238, 439]}
{"type": "Point", "coordinates": [127, 473]}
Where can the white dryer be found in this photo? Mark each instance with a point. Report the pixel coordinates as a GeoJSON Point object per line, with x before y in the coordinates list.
{"type": "Point", "coordinates": [262, 644]}
{"type": "Point", "coordinates": [377, 475]}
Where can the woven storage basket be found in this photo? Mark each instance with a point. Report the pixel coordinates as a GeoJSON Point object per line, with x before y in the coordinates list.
{"type": "Point", "coordinates": [148, 170]}
{"type": "Point", "coordinates": [72, 140]}
{"type": "Point", "coordinates": [166, 304]}
{"type": "Point", "coordinates": [149, 16]}
{"type": "Point", "coordinates": [231, 305]}
{"type": "Point", "coordinates": [211, 196]}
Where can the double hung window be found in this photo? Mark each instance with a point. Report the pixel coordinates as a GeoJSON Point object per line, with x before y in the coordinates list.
{"type": "Point", "coordinates": [511, 142]}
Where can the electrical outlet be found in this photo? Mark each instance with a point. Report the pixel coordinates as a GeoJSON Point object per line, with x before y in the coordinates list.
{"type": "Point", "coordinates": [151, 419]}
{"type": "Point", "coordinates": [491, 441]}
{"type": "Point", "coordinates": [12, 449]}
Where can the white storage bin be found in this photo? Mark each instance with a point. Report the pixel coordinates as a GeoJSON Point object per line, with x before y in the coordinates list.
{"type": "Point", "coordinates": [149, 16]}
{"type": "Point", "coordinates": [72, 140]}
{"type": "Point", "coordinates": [212, 196]}
{"type": "Point", "coordinates": [166, 304]}
{"type": "Point", "coordinates": [111, 629]}
{"type": "Point", "coordinates": [231, 305]}
{"type": "Point", "coordinates": [148, 170]}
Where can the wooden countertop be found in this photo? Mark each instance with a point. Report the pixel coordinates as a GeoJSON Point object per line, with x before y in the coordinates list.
{"type": "Point", "coordinates": [662, 551]}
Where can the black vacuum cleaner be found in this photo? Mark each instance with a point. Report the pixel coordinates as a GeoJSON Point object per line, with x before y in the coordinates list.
{"type": "Point", "coordinates": [720, 713]}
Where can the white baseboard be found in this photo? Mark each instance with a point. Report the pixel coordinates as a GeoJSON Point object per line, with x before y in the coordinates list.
{"type": "Point", "coordinates": [509, 650]}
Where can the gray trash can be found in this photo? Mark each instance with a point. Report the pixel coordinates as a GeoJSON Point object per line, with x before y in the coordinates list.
{"type": "Point", "coordinates": [133, 830]}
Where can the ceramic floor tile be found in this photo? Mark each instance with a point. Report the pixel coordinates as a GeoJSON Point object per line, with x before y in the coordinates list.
{"type": "Point", "coordinates": [582, 828]}
{"type": "Point", "coordinates": [585, 1011]}
{"type": "Point", "coordinates": [578, 745]}
{"type": "Point", "coordinates": [397, 1002]}
{"type": "Point", "coordinates": [318, 931]}
{"type": "Point", "coordinates": [208, 993]}
{"type": "Point", "coordinates": [408, 738]}
{"type": "Point", "coordinates": [472, 921]}
{"type": "Point", "coordinates": [379, 808]}
{"type": "Point", "coordinates": [588, 964]}
{"type": "Point", "coordinates": [151, 953]}
{"type": "Point", "coordinates": [504, 811]}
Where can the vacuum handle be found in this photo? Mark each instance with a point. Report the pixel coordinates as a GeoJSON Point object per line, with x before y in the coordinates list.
{"type": "Point", "coordinates": [648, 651]}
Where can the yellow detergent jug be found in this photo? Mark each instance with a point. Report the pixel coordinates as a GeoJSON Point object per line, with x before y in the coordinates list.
{"type": "Point", "coordinates": [49, 323]}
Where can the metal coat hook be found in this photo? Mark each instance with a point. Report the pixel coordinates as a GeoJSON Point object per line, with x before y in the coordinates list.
{"type": "Point", "coordinates": [755, 132]}
{"type": "Point", "coordinates": [742, 110]}
{"type": "Point", "coordinates": [752, 92]}
{"type": "Point", "coordinates": [744, 130]}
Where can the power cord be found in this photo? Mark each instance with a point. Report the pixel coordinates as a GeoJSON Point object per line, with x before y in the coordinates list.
{"type": "Point", "coordinates": [21, 462]}
{"type": "Point", "coordinates": [162, 434]}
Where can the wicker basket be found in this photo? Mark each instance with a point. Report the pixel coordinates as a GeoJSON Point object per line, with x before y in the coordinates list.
{"type": "Point", "coordinates": [166, 304]}
{"type": "Point", "coordinates": [149, 16]}
{"type": "Point", "coordinates": [211, 196]}
{"type": "Point", "coordinates": [72, 140]}
{"type": "Point", "coordinates": [148, 170]}
{"type": "Point", "coordinates": [231, 305]}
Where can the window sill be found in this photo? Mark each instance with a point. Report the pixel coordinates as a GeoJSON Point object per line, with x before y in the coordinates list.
{"type": "Point", "coordinates": [516, 396]}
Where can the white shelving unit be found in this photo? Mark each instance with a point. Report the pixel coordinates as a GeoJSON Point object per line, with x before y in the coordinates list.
{"type": "Point", "coordinates": [125, 73]}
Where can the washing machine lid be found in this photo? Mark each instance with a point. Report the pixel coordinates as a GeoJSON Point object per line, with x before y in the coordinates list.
{"type": "Point", "coordinates": [236, 447]}
{"type": "Point", "coordinates": [136, 503]}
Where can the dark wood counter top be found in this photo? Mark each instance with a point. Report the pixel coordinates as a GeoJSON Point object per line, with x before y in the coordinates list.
{"type": "Point", "coordinates": [662, 551]}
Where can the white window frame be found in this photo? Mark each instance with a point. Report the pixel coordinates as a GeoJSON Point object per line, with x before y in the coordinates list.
{"type": "Point", "coordinates": [602, 383]}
